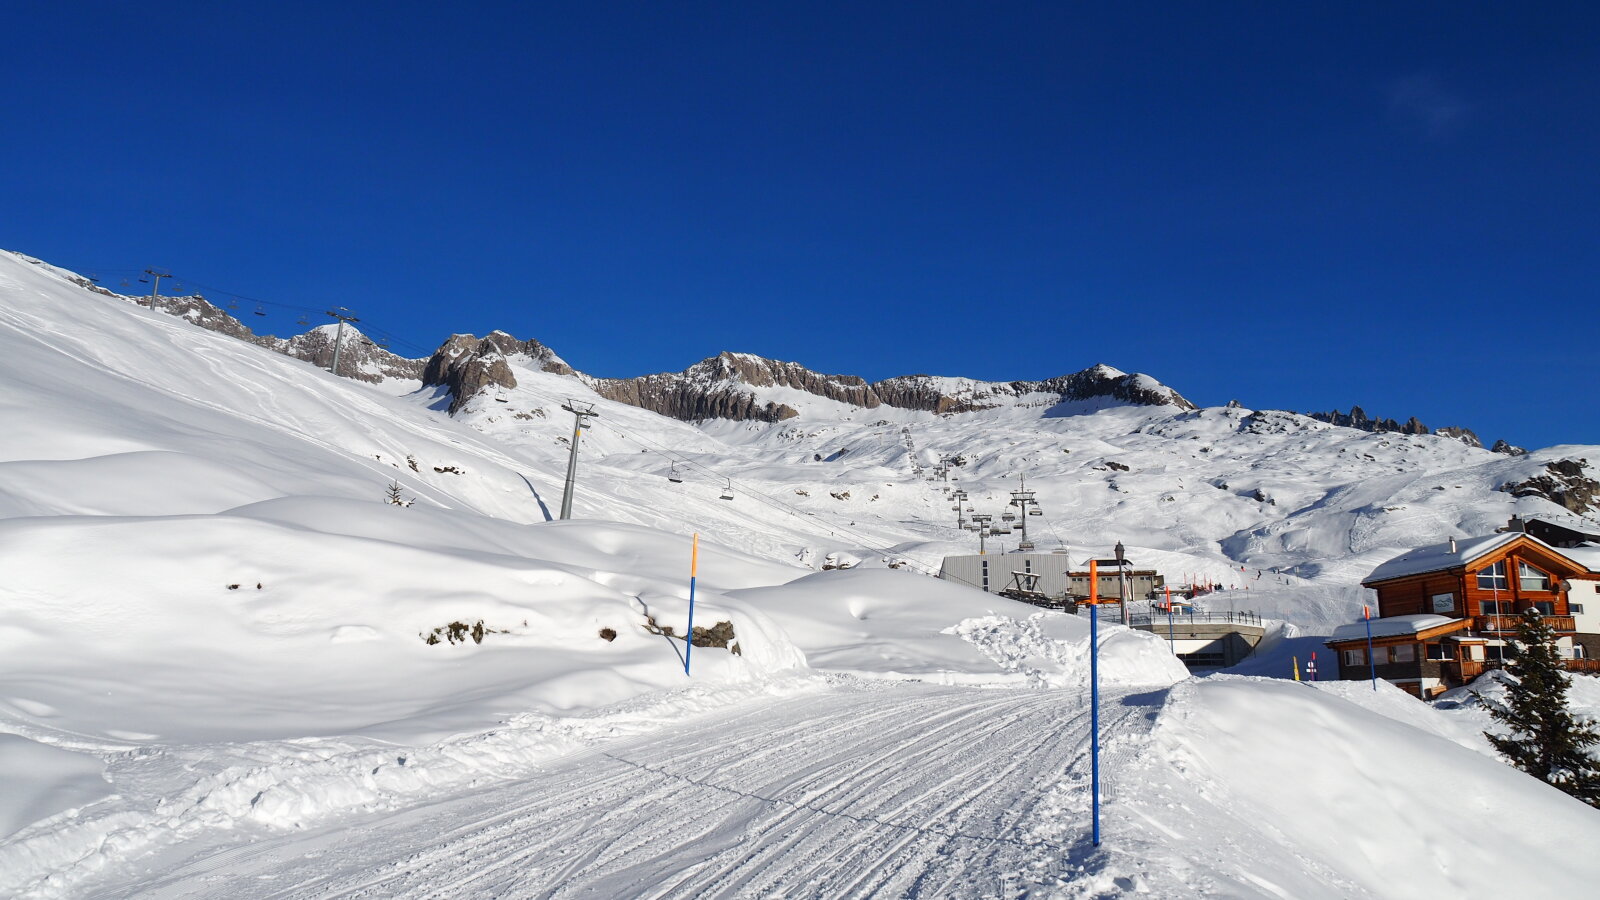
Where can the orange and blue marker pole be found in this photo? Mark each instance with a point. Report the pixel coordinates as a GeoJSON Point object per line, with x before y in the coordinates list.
{"type": "Point", "coordinates": [1094, 689]}
{"type": "Point", "coordinates": [694, 570]}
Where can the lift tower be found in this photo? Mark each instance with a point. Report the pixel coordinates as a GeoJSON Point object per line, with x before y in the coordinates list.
{"type": "Point", "coordinates": [1021, 499]}
{"type": "Point", "coordinates": [580, 413]}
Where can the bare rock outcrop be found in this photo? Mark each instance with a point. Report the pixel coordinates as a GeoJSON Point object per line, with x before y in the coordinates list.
{"type": "Point", "coordinates": [1565, 484]}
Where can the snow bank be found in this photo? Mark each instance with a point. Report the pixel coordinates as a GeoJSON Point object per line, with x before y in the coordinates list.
{"type": "Point", "coordinates": [893, 623]}
{"type": "Point", "coordinates": [1325, 785]}
{"type": "Point", "coordinates": [40, 780]}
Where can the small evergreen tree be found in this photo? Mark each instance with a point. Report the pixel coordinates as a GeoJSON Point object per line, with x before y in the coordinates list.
{"type": "Point", "coordinates": [1544, 738]}
{"type": "Point", "coordinates": [392, 494]}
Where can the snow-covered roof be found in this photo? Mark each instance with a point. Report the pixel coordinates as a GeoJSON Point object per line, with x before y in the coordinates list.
{"type": "Point", "coordinates": [1587, 556]}
{"type": "Point", "coordinates": [1391, 626]}
{"type": "Point", "coordinates": [1437, 557]}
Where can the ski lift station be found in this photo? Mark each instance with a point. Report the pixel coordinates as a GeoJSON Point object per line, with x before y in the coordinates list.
{"type": "Point", "coordinates": [1046, 579]}
{"type": "Point", "coordinates": [1202, 639]}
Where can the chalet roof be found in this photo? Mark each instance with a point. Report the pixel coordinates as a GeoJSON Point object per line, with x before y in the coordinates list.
{"type": "Point", "coordinates": [1438, 557]}
{"type": "Point", "coordinates": [1391, 626]}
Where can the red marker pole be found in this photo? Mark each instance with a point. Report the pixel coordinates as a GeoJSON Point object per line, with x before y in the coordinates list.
{"type": "Point", "coordinates": [1172, 641]}
{"type": "Point", "coordinates": [1372, 661]}
{"type": "Point", "coordinates": [1094, 689]}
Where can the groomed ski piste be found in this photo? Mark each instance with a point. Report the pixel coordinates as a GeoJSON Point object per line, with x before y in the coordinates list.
{"type": "Point", "coordinates": [218, 680]}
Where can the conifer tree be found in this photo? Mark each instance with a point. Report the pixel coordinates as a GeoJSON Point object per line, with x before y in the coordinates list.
{"type": "Point", "coordinates": [1544, 738]}
{"type": "Point", "coordinates": [392, 494]}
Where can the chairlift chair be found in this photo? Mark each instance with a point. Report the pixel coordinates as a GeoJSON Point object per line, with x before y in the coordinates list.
{"type": "Point", "coordinates": [1008, 517]}
{"type": "Point", "coordinates": [233, 304]}
{"type": "Point", "coordinates": [673, 475]}
{"type": "Point", "coordinates": [1035, 512]}
{"type": "Point", "coordinates": [303, 321]}
{"type": "Point", "coordinates": [259, 311]}
{"type": "Point", "coordinates": [727, 492]}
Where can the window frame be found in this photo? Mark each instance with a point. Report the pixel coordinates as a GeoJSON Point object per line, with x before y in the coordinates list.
{"type": "Point", "coordinates": [1488, 575]}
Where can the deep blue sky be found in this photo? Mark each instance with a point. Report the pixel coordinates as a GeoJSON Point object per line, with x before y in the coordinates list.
{"type": "Point", "coordinates": [1297, 205]}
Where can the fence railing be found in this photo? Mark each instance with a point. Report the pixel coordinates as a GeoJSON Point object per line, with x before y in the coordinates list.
{"type": "Point", "coordinates": [1197, 618]}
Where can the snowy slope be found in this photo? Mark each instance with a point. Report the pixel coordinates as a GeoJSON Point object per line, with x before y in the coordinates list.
{"type": "Point", "coordinates": [217, 633]}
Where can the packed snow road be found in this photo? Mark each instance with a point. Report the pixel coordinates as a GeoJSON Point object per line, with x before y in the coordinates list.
{"type": "Point", "coordinates": [869, 789]}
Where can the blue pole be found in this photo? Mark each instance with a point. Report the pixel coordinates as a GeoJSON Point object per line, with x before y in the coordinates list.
{"type": "Point", "coordinates": [1372, 663]}
{"type": "Point", "coordinates": [1094, 709]}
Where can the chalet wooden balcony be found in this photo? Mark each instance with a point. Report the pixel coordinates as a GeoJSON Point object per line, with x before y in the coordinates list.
{"type": "Point", "coordinates": [1507, 624]}
{"type": "Point", "coordinates": [1464, 670]}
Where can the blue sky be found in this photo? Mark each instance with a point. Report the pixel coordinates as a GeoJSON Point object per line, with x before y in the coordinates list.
{"type": "Point", "coordinates": [1300, 206]}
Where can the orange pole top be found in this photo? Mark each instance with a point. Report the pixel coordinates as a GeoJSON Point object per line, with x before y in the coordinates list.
{"type": "Point", "coordinates": [1094, 583]}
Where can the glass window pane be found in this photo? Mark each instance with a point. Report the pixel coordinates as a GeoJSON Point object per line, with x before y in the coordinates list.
{"type": "Point", "coordinates": [1494, 577]}
{"type": "Point", "coordinates": [1532, 579]}
{"type": "Point", "coordinates": [1404, 653]}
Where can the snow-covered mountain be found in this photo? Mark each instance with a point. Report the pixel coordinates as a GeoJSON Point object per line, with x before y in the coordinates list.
{"type": "Point", "coordinates": [224, 647]}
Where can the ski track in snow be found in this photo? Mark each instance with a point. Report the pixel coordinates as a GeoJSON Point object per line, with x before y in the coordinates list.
{"type": "Point", "coordinates": [882, 790]}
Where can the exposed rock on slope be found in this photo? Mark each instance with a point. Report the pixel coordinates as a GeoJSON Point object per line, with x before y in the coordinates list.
{"type": "Point", "coordinates": [360, 358]}
{"type": "Point", "coordinates": [1566, 485]}
{"type": "Point", "coordinates": [717, 388]}
{"type": "Point", "coordinates": [1358, 418]}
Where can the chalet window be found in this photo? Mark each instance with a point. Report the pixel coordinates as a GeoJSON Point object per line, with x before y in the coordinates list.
{"type": "Point", "coordinates": [1439, 651]}
{"type": "Point", "coordinates": [1532, 579]}
{"type": "Point", "coordinates": [1545, 607]}
{"type": "Point", "coordinates": [1579, 651]}
{"type": "Point", "coordinates": [1355, 657]}
{"type": "Point", "coordinates": [1493, 651]}
{"type": "Point", "coordinates": [1495, 607]}
{"type": "Point", "coordinates": [1494, 578]}
{"type": "Point", "coordinates": [1403, 653]}
{"type": "Point", "coordinates": [985, 564]}
{"type": "Point", "coordinates": [1575, 608]}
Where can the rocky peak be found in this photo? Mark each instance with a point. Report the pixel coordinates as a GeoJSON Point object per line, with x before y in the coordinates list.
{"type": "Point", "coordinates": [359, 356]}
{"type": "Point", "coordinates": [467, 364]}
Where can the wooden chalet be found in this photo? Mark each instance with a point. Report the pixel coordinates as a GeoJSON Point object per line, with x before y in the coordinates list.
{"type": "Point", "coordinates": [1445, 612]}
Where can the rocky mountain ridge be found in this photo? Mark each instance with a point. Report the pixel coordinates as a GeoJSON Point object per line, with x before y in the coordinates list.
{"type": "Point", "coordinates": [718, 387]}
